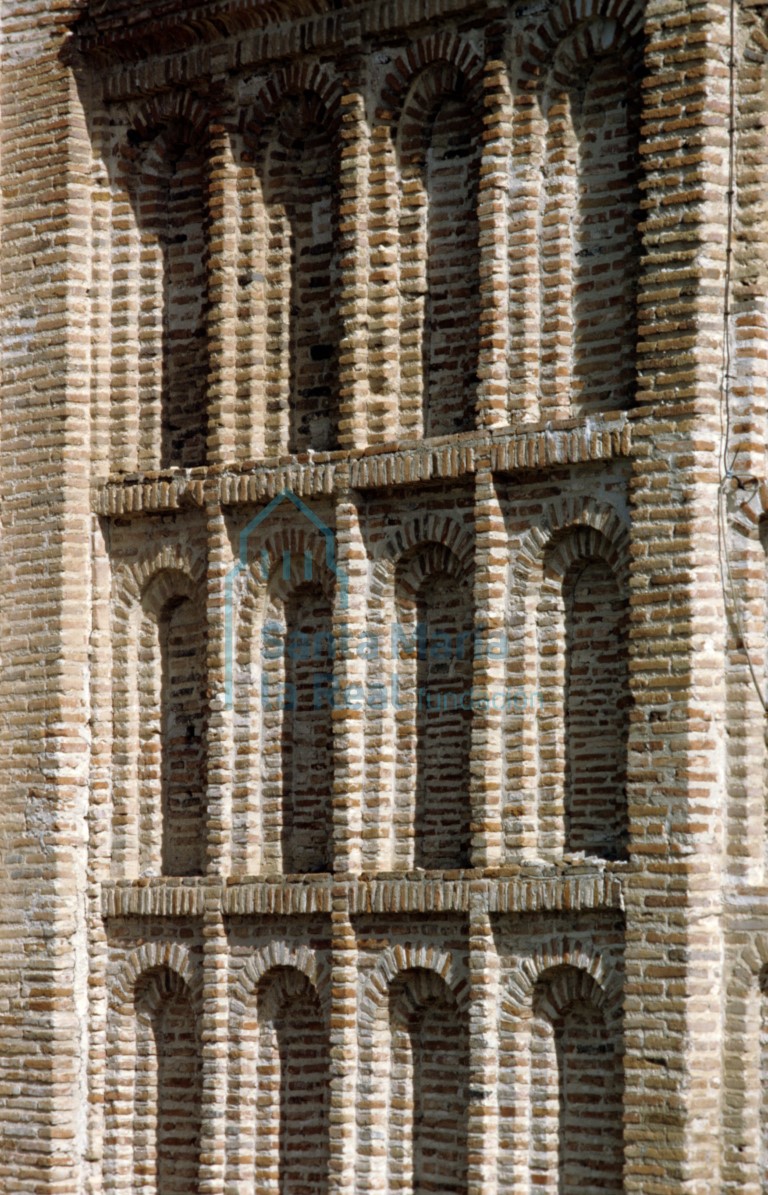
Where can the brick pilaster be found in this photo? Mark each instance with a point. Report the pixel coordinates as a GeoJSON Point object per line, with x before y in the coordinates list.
{"type": "Point", "coordinates": [219, 736]}
{"type": "Point", "coordinates": [222, 294]}
{"type": "Point", "coordinates": [214, 1040]}
{"type": "Point", "coordinates": [676, 763]}
{"type": "Point", "coordinates": [353, 257]}
{"type": "Point", "coordinates": [343, 1039]}
{"type": "Point", "coordinates": [349, 617]}
{"type": "Point", "coordinates": [489, 673]}
{"type": "Point", "coordinates": [483, 1120]}
{"type": "Point", "coordinates": [492, 397]}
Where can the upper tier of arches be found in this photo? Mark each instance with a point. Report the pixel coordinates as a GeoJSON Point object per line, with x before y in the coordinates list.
{"type": "Point", "coordinates": [443, 244]}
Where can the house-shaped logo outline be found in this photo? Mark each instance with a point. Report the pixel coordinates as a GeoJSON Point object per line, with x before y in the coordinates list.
{"type": "Point", "coordinates": [241, 564]}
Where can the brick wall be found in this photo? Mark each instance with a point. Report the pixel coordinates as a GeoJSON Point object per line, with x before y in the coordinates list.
{"type": "Point", "coordinates": [383, 765]}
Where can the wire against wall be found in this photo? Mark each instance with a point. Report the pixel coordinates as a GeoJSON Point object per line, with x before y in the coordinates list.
{"type": "Point", "coordinates": [727, 472]}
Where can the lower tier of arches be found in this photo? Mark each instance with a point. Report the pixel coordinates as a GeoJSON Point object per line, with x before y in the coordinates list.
{"type": "Point", "coordinates": [291, 1092]}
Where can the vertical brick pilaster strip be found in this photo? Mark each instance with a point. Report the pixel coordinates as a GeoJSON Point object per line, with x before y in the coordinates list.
{"type": "Point", "coordinates": [745, 455]}
{"type": "Point", "coordinates": [412, 205]}
{"type": "Point", "coordinates": [102, 296]}
{"type": "Point", "coordinates": [215, 1003]}
{"type": "Point", "coordinates": [488, 686]}
{"type": "Point", "coordinates": [554, 270]}
{"type": "Point", "coordinates": [525, 306]}
{"type": "Point", "coordinates": [121, 328]}
{"type": "Point", "coordinates": [222, 285]}
{"type": "Point", "coordinates": [151, 301]}
{"type": "Point", "coordinates": [219, 744]}
{"type": "Point", "coordinates": [343, 1037]}
{"type": "Point", "coordinates": [100, 817]}
{"type": "Point", "coordinates": [349, 684]}
{"type": "Point", "coordinates": [214, 1026]}
{"type": "Point", "coordinates": [492, 400]}
{"type": "Point", "coordinates": [674, 978]}
{"type": "Point", "coordinates": [748, 302]}
{"type": "Point", "coordinates": [353, 254]}
{"type": "Point", "coordinates": [100, 780]}
{"type": "Point", "coordinates": [44, 605]}
{"type": "Point", "coordinates": [483, 1046]}
{"type": "Point", "coordinates": [748, 634]}
{"type": "Point", "coordinates": [384, 299]}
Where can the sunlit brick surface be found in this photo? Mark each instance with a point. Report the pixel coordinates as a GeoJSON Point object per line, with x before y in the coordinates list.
{"type": "Point", "coordinates": [383, 596]}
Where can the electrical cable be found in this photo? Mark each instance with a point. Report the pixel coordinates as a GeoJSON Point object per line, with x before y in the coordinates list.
{"type": "Point", "coordinates": [726, 471]}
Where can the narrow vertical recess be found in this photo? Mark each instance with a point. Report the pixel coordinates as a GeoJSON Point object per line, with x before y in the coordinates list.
{"type": "Point", "coordinates": [588, 227]}
{"type": "Point", "coordinates": [167, 1087]}
{"type": "Point", "coordinates": [584, 700]}
{"type": "Point", "coordinates": [596, 711]}
{"type": "Point", "coordinates": [250, 377]}
{"type": "Point", "coordinates": [605, 241]}
{"type": "Point", "coordinates": [170, 196]}
{"type": "Point", "coordinates": [576, 1073]}
{"type": "Point", "coordinates": [297, 157]}
{"type": "Point", "coordinates": [183, 740]}
{"type": "Point", "coordinates": [307, 732]}
{"type": "Point", "coordinates": [433, 688]}
{"type": "Point", "coordinates": [161, 830]}
{"type": "Point", "coordinates": [443, 723]}
{"type": "Point", "coordinates": [452, 316]}
{"type": "Point", "coordinates": [438, 148]}
{"type": "Point", "coordinates": [429, 1087]}
{"type": "Point", "coordinates": [292, 1080]}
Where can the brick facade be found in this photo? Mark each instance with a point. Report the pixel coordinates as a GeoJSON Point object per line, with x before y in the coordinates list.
{"type": "Point", "coordinates": [383, 762]}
